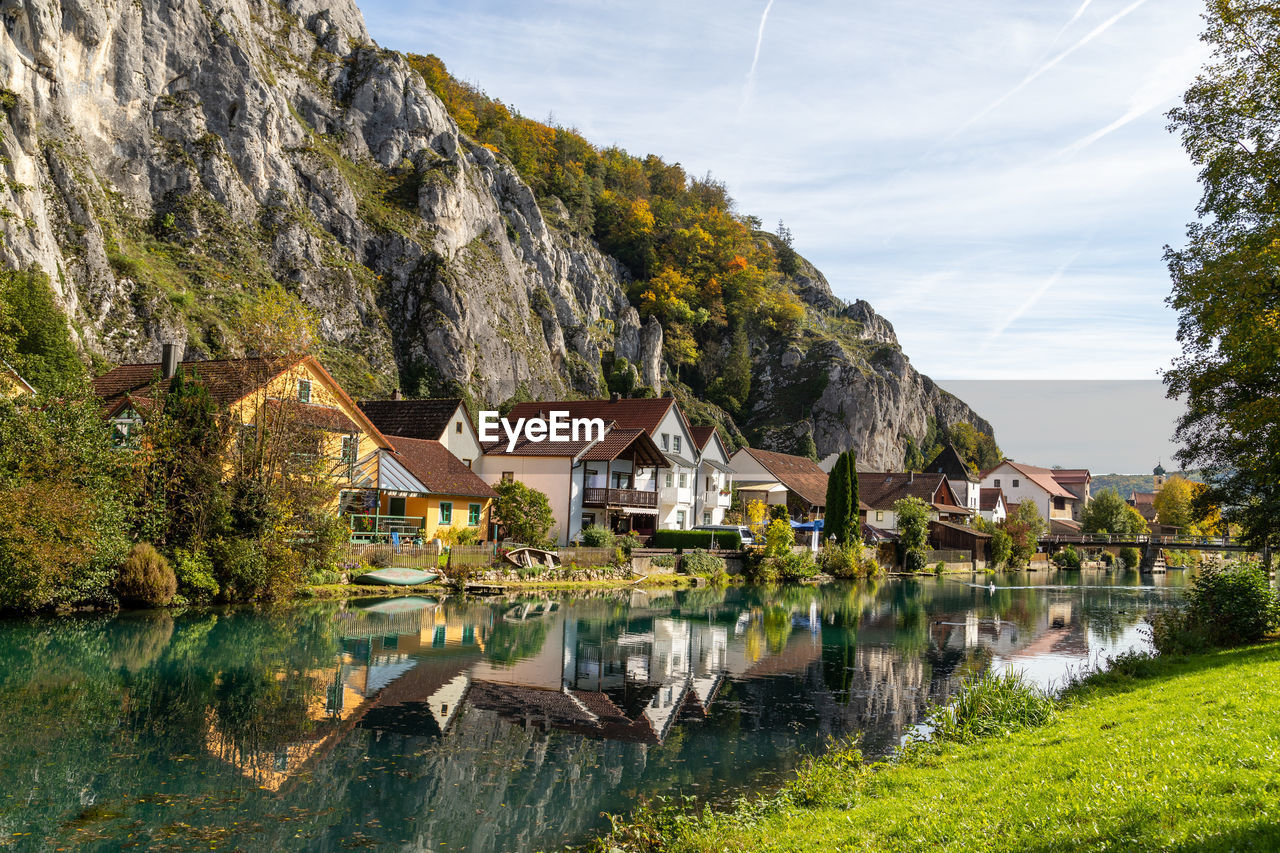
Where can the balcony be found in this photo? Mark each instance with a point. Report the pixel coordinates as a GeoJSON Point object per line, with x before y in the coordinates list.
{"type": "Point", "coordinates": [716, 498]}
{"type": "Point", "coordinates": [378, 528]}
{"type": "Point", "coordinates": [596, 496]}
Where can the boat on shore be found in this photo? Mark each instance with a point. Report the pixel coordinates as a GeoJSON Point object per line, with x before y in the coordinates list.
{"type": "Point", "coordinates": [396, 577]}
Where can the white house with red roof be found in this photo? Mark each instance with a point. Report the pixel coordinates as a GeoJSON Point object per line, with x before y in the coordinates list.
{"type": "Point", "coordinates": [713, 490]}
{"type": "Point", "coordinates": [1021, 482]}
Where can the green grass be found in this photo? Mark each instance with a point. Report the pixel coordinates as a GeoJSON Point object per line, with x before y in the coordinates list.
{"type": "Point", "coordinates": [1175, 754]}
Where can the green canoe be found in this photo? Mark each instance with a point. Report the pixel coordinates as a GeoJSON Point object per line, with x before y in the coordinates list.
{"type": "Point", "coordinates": [396, 577]}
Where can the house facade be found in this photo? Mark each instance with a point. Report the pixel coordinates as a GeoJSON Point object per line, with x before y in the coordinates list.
{"type": "Point", "coordinates": [258, 394]}
{"type": "Point", "coordinates": [878, 491]}
{"type": "Point", "coordinates": [611, 482]}
{"type": "Point", "coordinates": [964, 482]}
{"type": "Point", "coordinates": [715, 478]}
{"type": "Point", "coordinates": [1078, 481]}
{"type": "Point", "coordinates": [662, 420]}
{"type": "Point", "coordinates": [445, 420]}
{"type": "Point", "coordinates": [991, 505]}
{"type": "Point", "coordinates": [795, 482]}
{"type": "Point", "coordinates": [1020, 482]}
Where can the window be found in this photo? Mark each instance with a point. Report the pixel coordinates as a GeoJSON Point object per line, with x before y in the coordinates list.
{"type": "Point", "coordinates": [1015, 484]}
{"type": "Point", "coordinates": [684, 480]}
{"type": "Point", "coordinates": [666, 441]}
{"type": "Point", "coordinates": [675, 444]}
{"type": "Point", "coordinates": [446, 512]}
{"type": "Point", "coordinates": [508, 476]}
{"type": "Point", "coordinates": [395, 506]}
{"type": "Point", "coordinates": [706, 518]}
{"type": "Point", "coordinates": [588, 519]}
{"type": "Point", "coordinates": [879, 515]}
{"type": "Point", "coordinates": [467, 462]}
{"type": "Point", "coordinates": [473, 514]}
{"type": "Point", "coordinates": [304, 390]}
{"type": "Point", "coordinates": [680, 519]}
{"type": "Point", "coordinates": [124, 434]}
{"type": "Point", "coordinates": [457, 427]}
{"type": "Point", "coordinates": [670, 479]}
{"type": "Point", "coordinates": [350, 444]}
{"type": "Point", "coordinates": [1059, 503]}
{"type": "Point", "coordinates": [997, 482]}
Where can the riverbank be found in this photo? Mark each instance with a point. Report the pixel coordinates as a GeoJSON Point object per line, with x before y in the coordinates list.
{"type": "Point", "coordinates": [337, 591]}
{"type": "Point", "coordinates": [1164, 754]}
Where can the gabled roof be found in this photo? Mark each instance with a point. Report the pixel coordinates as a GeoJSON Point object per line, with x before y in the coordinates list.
{"type": "Point", "coordinates": [627, 413]}
{"type": "Point", "coordinates": [798, 473]}
{"type": "Point", "coordinates": [988, 498]}
{"type": "Point", "coordinates": [701, 435]}
{"type": "Point", "coordinates": [950, 463]}
{"type": "Point", "coordinates": [438, 469]}
{"type": "Point", "coordinates": [1063, 527]}
{"type": "Point", "coordinates": [1042, 477]}
{"type": "Point", "coordinates": [618, 441]}
{"type": "Point", "coordinates": [423, 419]}
{"type": "Point", "coordinates": [882, 489]}
{"type": "Point", "coordinates": [1072, 475]}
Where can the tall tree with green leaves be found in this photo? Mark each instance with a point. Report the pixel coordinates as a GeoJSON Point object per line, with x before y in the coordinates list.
{"type": "Point", "coordinates": [1226, 280]}
{"type": "Point", "coordinates": [841, 519]}
{"type": "Point", "coordinates": [33, 330]}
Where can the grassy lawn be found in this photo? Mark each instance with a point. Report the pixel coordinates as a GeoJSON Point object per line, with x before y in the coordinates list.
{"type": "Point", "coordinates": [1182, 754]}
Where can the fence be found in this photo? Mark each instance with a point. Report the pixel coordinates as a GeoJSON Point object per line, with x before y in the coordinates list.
{"type": "Point", "coordinates": [406, 556]}
{"type": "Point", "coordinates": [585, 558]}
{"type": "Point", "coordinates": [472, 556]}
{"type": "Point", "coordinates": [949, 556]}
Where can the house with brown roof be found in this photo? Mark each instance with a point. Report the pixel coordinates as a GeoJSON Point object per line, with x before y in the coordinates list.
{"type": "Point", "coordinates": [11, 382]}
{"type": "Point", "coordinates": [795, 482]}
{"type": "Point", "coordinates": [714, 482]}
{"type": "Point", "coordinates": [662, 420]}
{"type": "Point", "coordinates": [611, 481]}
{"type": "Point", "coordinates": [255, 392]}
{"type": "Point", "coordinates": [445, 420]}
{"type": "Point", "coordinates": [964, 481]}
{"type": "Point", "coordinates": [1078, 481]}
{"type": "Point", "coordinates": [1021, 482]}
{"type": "Point", "coordinates": [992, 506]}
{"type": "Point", "coordinates": [878, 491]}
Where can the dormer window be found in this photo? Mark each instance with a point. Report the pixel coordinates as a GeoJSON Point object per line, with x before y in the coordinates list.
{"type": "Point", "coordinates": [304, 390]}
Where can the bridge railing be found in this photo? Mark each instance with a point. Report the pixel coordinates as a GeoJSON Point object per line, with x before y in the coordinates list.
{"type": "Point", "coordinates": [1191, 542]}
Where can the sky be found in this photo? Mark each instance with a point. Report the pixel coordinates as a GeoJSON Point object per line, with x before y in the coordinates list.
{"type": "Point", "coordinates": [995, 177]}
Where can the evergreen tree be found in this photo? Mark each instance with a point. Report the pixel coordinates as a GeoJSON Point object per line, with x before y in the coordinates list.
{"type": "Point", "coordinates": [841, 518]}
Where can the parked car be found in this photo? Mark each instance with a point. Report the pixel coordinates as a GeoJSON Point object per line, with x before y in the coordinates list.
{"type": "Point", "coordinates": [741, 529]}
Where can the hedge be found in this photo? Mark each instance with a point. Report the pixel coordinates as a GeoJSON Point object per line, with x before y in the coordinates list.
{"type": "Point", "coordinates": [726, 540]}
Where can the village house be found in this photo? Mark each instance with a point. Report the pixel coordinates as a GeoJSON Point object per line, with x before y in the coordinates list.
{"type": "Point", "coordinates": [1077, 481]}
{"type": "Point", "coordinates": [11, 383]}
{"type": "Point", "coordinates": [443, 419]}
{"type": "Point", "coordinates": [878, 491]}
{"type": "Point", "coordinates": [715, 479]}
{"type": "Point", "coordinates": [991, 505]}
{"type": "Point", "coordinates": [611, 482]}
{"type": "Point", "coordinates": [964, 482]}
{"type": "Point", "coordinates": [795, 482]}
{"type": "Point", "coordinates": [254, 391]}
{"type": "Point", "coordinates": [1021, 482]}
{"type": "Point", "coordinates": [662, 420]}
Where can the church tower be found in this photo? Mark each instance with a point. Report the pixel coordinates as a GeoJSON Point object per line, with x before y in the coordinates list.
{"type": "Point", "coordinates": [1157, 477]}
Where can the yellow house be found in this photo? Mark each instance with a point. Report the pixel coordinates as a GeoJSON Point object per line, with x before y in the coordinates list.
{"type": "Point", "coordinates": [423, 490]}
{"type": "Point", "coordinates": [11, 383]}
{"type": "Point", "coordinates": [254, 390]}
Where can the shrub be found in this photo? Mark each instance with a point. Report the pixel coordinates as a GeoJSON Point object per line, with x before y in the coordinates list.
{"type": "Point", "coordinates": [1067, 558]}
{"type": "Point", "coordinates": [779, 538]}
{"type": "Point", "coordinates": [459, 535]}
{"type": "Point", "coordinates": [146, 578]}
{"type": "Point", "coordinates": [627, 544]}
{"type": "Point", "coordinates": [1108, 559]}
{"type": "Point", "coordinates": [596, 536]}
{"type": "Point", "coordinates": [706, 565]}
{"type": "Point", "coordinates": [1233, 604]}
{"type": "Point", "coordinates": [379, 558]}
{"type": "Point", "coordinates": [1001, 547]}
{"type": "Point", "coordinates": [991, 704]}
{"type": "Point", "coordinates": [665, 561]}
{"type": "Point", "coordinates": [524, 512]}
{"type": "Point", "coordinates": [850, 560]}
{"type": "Point", "coordinates": [792, 567]}
{"type": "Point", "coordinates": [913, 561]}
{"type": "Point", "coordinates": [248, 570]}
{"type": "Point", "coordinates": [681, 539]}
{"type": "Point", "coordinates": [194, 571]}
{"type": "Point", "coordinates": [1130, 557]}
{"type": "Point", "coordinates": [324, 577]}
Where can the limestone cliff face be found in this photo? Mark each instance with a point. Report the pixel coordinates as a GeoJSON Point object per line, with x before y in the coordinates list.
{"type": "Point", "coordinates": [165, 155]}
{"type": "Point", "coordinates": [164, 161]}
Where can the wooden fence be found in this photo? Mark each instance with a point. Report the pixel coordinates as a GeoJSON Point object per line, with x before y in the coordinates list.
{"type": "Point", "coordinates": [472, 556]}
{"type": "Point", "coordinates": [407, 556]}
{"type": "Point", "coordinates": [587, 558]}
{"type": "Point", "coordinates": [949, 556]}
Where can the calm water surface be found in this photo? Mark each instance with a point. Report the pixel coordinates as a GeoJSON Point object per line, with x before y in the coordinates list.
{"type": "Point", "coordinates": [495, 725]}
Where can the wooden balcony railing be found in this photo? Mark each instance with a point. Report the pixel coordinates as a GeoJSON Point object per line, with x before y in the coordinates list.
{"type": "Point", "coordinates": [620, 497]}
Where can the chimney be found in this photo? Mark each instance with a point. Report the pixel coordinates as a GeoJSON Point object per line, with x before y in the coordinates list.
{"type": "Point", "coordinates": [395, 395]}
{"type": "Point", "coordinates": [615, 397]}
{"type": "Point", "coordinates": [911, 476]}
{"type": "Point", "coordinates": [169, 359]}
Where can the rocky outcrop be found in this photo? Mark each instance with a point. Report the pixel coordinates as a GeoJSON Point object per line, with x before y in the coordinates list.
{"type": "Point", "coordinates": [168, 161]}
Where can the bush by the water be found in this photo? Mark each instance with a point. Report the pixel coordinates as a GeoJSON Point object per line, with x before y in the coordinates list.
{"type": "Point", "coordinates": [146, 578]}
{"type": "Point", "coordinates": [990, 704]}
{"type": "Point", "coordinates": [792, 566]}
{"type": "Point", "coordinates": [851, 560]}
{"type": "Point", "coordinates": [196, 578]}
{"type": "Point", "coordinates": [1067, 558]}
{"type": "Point", "coordinates": [1130, 557]}
{"type": "Point", "coordinates": [665, 561]}
{"type": "Point", "coordinates": [1001, 547]}
{"type": "Point", "coordinates": [726, 540]}
{"type": "Point", "coordinates": [703, 564]}
{"type": "Point", "coordinates": [1225, 606]}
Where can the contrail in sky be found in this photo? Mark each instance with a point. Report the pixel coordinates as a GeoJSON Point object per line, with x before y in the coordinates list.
{"type": "Point", "coordinates": [1026, 81]}
{"type": "Point", "coordinates": [1074, 18]}
{"type": "Point", "coordinates": [755, 59]}
{"type": "Point", "coordinates": [1031, 300]}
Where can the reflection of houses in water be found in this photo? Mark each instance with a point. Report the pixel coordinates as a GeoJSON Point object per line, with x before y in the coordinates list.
{"type": "Point", "coordinates": [1057, 630]}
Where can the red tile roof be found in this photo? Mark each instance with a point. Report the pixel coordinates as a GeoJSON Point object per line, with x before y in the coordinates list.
{"type": "Point", "coordinates": [798, 473]}
{"type": "Point", "coordinates": [628, 413]}
{"type": "Point", "coordinates": [228, 380]}
{"type": "Point", "coordinates": [427, 419]}
{"type": "Point", "coordinates": [701, 435]}
{"type": "Point", "coordinates": [987, 499]}
{"type": "Point", "coordinates": [618, 441]}
{"type": "Point", "coordinates": [882, 489]}
{"type": "Point", "coordinates": [1042, 477]}
{"type": "Point", "coordinates": [438, 469]}
{"type": "Point", "coordinates": [1072, 475]}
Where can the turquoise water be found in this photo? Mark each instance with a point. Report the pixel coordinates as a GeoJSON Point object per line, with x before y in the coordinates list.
{"type": "Point", "coordinates": [493, 725]}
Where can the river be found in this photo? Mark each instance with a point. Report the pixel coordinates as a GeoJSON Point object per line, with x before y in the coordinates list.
{"type": "Point", "coordinates": [495, 725]}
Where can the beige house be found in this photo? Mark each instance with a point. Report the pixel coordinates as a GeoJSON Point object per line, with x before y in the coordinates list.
{"type": "Point", "coordinates": [1021, 482]}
